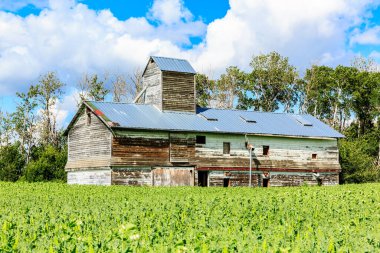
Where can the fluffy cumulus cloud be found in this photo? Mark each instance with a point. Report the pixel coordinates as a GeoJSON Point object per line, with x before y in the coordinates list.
{"type": "Point", "coordinates": [370, 36]}
{"type": "Point", "coordinates": [68, 37]}
{"type": "Point", "coordinates": [306, 31]}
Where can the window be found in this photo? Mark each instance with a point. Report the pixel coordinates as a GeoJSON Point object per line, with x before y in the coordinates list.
{"type": "Point", "coordinates": [226, 148]}
{"type": "Point", "coordinates": [313, 156]}
{"type": "Point", "coordinates": [265, 150]}
{"type": "Point", "coordinates": [200, 139]}
{"type": "Point", "coordinates": [88, 117]}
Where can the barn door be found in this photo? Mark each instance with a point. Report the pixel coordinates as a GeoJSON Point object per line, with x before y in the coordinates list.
{"type": "Point", "coordinates": [173, 176]}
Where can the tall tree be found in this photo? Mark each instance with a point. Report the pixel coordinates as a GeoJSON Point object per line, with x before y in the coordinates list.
{"type": "Point", "coordinates": [119, 89]}
{"type": "Point", "coordinates": [25, 121]}
{"type": "Point", "coordinates": [6, 129]}
{"type": "Point", "coordinates": [136, 83]}
{"type": "Point", "coordinates": [204, 90]}
{"type": "Point", "coordinates": [91, 87]}
{"type": "Point", "coordinates": [49, 90]}
{"type": "Point", "coordinates": [271, 83]}
{"type": "Point", "coordinates": [228, 87]}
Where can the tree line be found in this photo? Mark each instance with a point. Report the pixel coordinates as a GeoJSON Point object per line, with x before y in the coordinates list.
{"type": "Point", "coordinates": [345, 97]}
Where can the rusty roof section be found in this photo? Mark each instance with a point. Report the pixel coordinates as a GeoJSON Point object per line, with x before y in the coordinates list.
{"type": "Point", "coordinates": [148, 117]}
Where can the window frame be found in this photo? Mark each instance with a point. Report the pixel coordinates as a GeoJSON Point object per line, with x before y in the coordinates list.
{"type": "Point", "coordinates": [198, 139]}
{"type": "Point", "coordinates": [266, 149]}
{"type": "Point", "coordinates": [226, 151]}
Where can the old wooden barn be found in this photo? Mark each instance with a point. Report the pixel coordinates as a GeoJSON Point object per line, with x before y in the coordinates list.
{"type": "Point", "coordinates": [166, 140]}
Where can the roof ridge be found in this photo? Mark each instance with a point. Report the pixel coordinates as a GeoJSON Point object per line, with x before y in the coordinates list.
{"type": "Point", "coordinates": [181, 59]}
{"type": "Point", "coordinates": [240, 110]}
{"type": "Point", "coordinates": [208, 108]}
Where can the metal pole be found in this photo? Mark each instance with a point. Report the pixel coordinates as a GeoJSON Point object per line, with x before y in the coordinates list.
{"type": "Point", "coordinates": [250, 166]}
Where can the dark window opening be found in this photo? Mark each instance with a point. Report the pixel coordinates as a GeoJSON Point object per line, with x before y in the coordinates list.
{"type": "Point", "coordinates": [203, 178]}
{"type": "Point", "coordinates": [265, 182]}
{"type": "Point", "coordinates": [88, 112]}
{"type": "Point", "coordinates": [265, 150]}
{"type": "Point", "coordinates": [226, 148]}
{"type": "Point", "coordinates": [319, 181]}
{"type": "Point", "coordinates": [200, 139]}
{"type": "Point", "coordinates": [313, 156]}
{"type": "Point", "coordinates": [226, 182]}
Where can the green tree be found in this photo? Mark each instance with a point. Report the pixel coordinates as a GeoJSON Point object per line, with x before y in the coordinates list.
{"type": "Point", "coordinates": [228, 87]}
{"type": "Point", "coordinates": [272, 82]}
{"type": "Point", "coordinates": [11, 162]}
{"type": "Point", "coordinates": [364, 97]}
{"type": "Point", "coordinates": [25, 121]}
{"type": "Point", "coordinates": [48, 164]}
{"type": "Point", "coordinates": [326, 93]}
{"type": "Point", "coordinates": [49, 90]}
{"type": "Point", "coordinates": [93, 88]}
{"type": "Point", "coordinates": [358, 156]}
{"type": "Point", "coordinates": [204, 89]}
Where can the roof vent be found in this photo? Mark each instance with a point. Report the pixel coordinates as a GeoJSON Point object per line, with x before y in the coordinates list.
{"type": "Point", "coordinates": [248, 119]}
{"type": "Point", "coordinates": [302, 121]}
{"type": "Point", "coordinates": [208, 117]}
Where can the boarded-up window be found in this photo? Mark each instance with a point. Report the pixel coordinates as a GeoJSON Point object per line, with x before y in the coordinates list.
{"type": "Point", "coordinates": [226, 148]}
{"type": "Point", "coordinates": [265, 150]}
{"type": "Point", "coordinates": [313, 156]}
{"type": "Point", "coordinates": [200, 139]}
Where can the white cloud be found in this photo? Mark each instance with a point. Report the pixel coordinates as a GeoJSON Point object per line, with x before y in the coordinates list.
{"type": "Point", "coordinates": [14, 5]}
{"type": "Point", "coordinates": [170, 12]}
{"type": "Point", "coordinates": [370, 36]}
{"type": "Point", "coordinates": [305, 31]}
{"type": "Point", "coordinates": [71, 39]}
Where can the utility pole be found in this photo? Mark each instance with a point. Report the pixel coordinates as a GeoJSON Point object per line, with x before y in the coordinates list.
{"type": "Point", "coordinates": [250, 147]}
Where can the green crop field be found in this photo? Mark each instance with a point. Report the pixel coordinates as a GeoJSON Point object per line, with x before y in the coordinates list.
{"type": "Point", "coordinates": [48, 217]}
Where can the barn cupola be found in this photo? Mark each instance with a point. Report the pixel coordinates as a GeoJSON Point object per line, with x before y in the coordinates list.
{"type": "Point", "coordinates": [168, 84]}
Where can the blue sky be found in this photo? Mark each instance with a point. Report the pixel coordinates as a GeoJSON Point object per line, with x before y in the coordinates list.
{"type": "Point", "coordinates": [117, 36]}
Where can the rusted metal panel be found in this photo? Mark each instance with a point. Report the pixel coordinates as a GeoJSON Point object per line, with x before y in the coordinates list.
{"type": "Point", "coordinates": [173, 176]}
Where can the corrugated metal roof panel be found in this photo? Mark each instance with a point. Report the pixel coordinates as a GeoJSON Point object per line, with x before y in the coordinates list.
{"type": "Point", "coordinates": [142, 116]}
{"type": "Point", "coordinates": [172, 64]}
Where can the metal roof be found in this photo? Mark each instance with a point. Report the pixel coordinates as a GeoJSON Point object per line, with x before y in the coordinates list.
{"type": "Point", "coordinates": [144, 116]}
{"type": "Point", "coordinates": [172, 64]}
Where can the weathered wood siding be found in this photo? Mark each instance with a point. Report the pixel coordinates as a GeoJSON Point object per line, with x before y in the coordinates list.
{"type": "Point", "coordinates": [139, 148]}
{"type": "Point", "coordinates": [284, 152]}
{"type": "Point", "coordinates": [91, 176]}
{"type": "Point", "coordinates": [173, 176]}
{"type": "Point", "coordinates": [89, 145]}
{"type": "Point", "coordinates": [152, 80]}
{"type": "Point", "coordinates": [241, 178]}
{"type": "Point", "coordinates": [178, 92]}
{"type": "Point", "coordinates": [182, 148]}
{"type": "Point", "coordinates": [299, 179]}
{"type": "Point", "coordinates": [136, 176]}
{"type": "Point", "coordinates": [147, 148]}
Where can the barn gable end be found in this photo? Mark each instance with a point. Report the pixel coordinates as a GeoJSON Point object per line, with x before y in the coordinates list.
{"type": "Point", "coordinates": [89, 149]}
